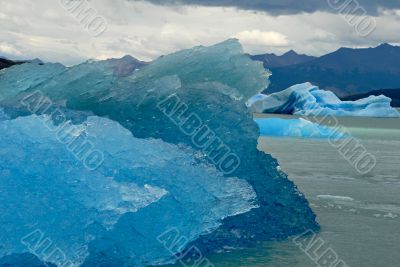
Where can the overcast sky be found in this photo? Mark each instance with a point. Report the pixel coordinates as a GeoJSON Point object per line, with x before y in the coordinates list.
{"type": "Point", "coordinates": [147, 29]}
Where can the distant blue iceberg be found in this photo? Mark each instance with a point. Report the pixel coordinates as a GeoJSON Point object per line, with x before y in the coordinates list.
{"type": "Point", "coordinates": [308, 100]}
{"type": "Point", "coordinates": [296, 128]}
{"type": "Point", "coordinates": [180, 153]}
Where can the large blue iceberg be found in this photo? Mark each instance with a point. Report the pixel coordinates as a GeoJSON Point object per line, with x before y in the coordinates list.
{"type": "Point", "coordinates": [112, 169]}
{"type": "Point", "coordinates": [308, 100]}
{"type": "Point", "coordinates": [72, 205]}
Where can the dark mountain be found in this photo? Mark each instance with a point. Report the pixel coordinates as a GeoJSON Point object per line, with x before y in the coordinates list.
{"type": "Point", "coordinates": [6, 63]}
{"type": "Point", "coordinates": [394, 94]}
{"type": "Point", "coordinates": [289, 58]}
{"type": "Point", "coordinates": [346, 71]}
{"type": "Point", "coordinates": [126, 65]}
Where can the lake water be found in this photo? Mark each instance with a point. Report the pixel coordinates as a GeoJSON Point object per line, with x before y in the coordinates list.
{"type": "Point", "coordinates": [359, 214]}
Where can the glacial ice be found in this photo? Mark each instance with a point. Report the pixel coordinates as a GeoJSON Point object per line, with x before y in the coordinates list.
{"type": "Point", "coordinates": [3, 115]}
{"type": "Point", "coordinates": [54, 195]}
{"type": "Point", "coordinates": [306, 99]}
{"type": "Point", "coordinates": [189, 136]}
{"type": "Point", "coordinates": [23, 77]}
{"type": "Point", "coordinates": [296, 128]}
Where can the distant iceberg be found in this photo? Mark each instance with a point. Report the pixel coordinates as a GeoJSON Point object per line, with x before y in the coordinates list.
{"type": "Point", "coordinates": [180, 161]}
{"type": "Point", "coordinates": [308, 100]}
{"type": "Point", "coordinates": [296, 128]}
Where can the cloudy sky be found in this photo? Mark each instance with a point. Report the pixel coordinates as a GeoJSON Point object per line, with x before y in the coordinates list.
{"type": "Point", "coordinates": [57, 30]}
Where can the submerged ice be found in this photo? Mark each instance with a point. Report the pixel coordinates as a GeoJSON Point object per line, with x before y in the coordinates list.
{"type": "Point", "coordinates": [296, 128]}
{"type": "Point", "coordinates": [306, 99]}
{"type": "Point", "coordinates": [164, 131]}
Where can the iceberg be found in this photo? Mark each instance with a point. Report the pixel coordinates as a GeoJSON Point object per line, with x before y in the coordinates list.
{"type": "Point", "coordinates": [180, 156]}
{"type": "Point", "coordinates": [72, 206]}
{"type": "Point", "coordinates": [19, 78]}
{"type": "Point", "coordinates": [3, 115]}
{"type": "Point", "coordinates": [308, 100]}
{"type": "Point", "coordinates": [296, 128]}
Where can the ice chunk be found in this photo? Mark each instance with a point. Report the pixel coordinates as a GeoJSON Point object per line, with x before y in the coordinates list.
{"type": "Point", "coordinates": [53, 196]}
{"type": "Point", "coordinates": [25, 76]}
{"type": "Point", "coordinates": [340, 198]}
{"type": "Point", "coordinates": [296, 128]}
{"type": "Point", "coordinates": [192, 99]}
{"type": "Point", "coordinates": [3, 115]}
{"type": "Point", "coordinates": [306, 99]}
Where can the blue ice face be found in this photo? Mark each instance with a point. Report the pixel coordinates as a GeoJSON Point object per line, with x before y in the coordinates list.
{"type": "Point", "coordinates": [179, 151]}
{"type": "Point", "coordinates": [56, 196]}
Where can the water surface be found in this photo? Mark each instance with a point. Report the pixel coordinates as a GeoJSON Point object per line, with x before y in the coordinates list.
{"type": "Point", "coordinates": [359, 214]}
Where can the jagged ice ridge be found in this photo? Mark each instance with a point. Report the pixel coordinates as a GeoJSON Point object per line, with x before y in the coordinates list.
{"type": "Point", "coordinates": [166, 132]}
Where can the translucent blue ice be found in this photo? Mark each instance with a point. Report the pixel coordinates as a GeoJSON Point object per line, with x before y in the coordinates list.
{"type": "Point", "coordinates": [74, 207]}
{"type": "Point", "coordinates": [189, 133]}
{"type": "Point", "coordinates": [296, 128]}
{"type": "Point", "coordinates": [306, 99]}
{"type": "Point", "coordinates": [3, 115]}
{"type": "Point", "coordinates": [25, 76]}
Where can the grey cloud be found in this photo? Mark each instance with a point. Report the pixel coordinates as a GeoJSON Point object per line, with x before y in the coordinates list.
{"type": "Point", "coordinates": [43, 29]}
{"type": "Point", "coordinates": [281, 7]}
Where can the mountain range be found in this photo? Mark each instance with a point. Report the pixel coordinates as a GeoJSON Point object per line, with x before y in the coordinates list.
{"type": "Point", "coordinates": [394, 94]}
{"type": "Point", "coordinates": [287, 59]}
{"type": "Point", "coordinates": [6, 63]}
{"type": "Point", "coordinates": [346, 71]}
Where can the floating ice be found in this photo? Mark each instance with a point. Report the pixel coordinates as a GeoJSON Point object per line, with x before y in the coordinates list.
{"type": "Point", "coordinates": [306, 99]}
{"type": "Point", "coordinates": [55, 196]}
{"type": "Point", "coordinates": [204, 174]}
{"type": "Point", "coordinates": [330, 197]}
{"type": "Point", "coordinates": [296, 128]}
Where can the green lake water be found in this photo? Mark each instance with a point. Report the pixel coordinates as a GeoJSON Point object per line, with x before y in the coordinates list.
{"type": "Point", "coordinates": [359, 214]}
